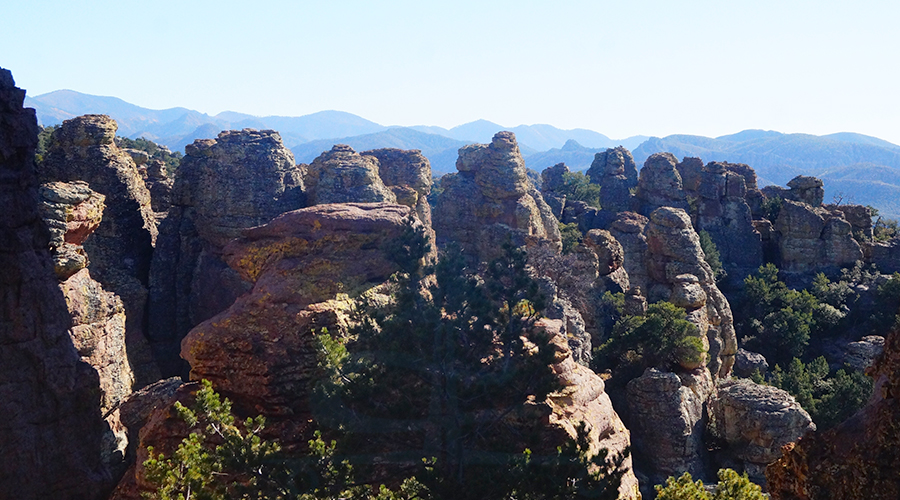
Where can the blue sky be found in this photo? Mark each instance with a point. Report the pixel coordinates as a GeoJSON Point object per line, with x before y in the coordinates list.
{"type": "Point", "coordinates": [620, 68]}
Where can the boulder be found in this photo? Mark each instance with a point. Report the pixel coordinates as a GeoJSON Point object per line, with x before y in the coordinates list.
{"type": "Point", "coordinates": [755, 421]}
{"type": "Point", "coordinates": [491, 200]}
{"type": "Point", "coordinates": [240, 179]}
{"type": "Point", "coordinates": [616, 173]}
{"type": "Point", "coordinates": [83, 149]}
{"type": "Point", "coordinates": [342, 175]}
{"type": "Point", "coordinates": [408, 175]}
{"type": "Point", "coordinates": [52, 428]}
{"type": "Point", "coordinates": [806, 189]}
{"type": "Point", "coordinates": [71, 211]}
{"type": "Point", "coordinates": [748, 363]}
{"type": "Point", "coordinates": [814, 239]}
{"type": "Point", "coordinates": [861, 354]}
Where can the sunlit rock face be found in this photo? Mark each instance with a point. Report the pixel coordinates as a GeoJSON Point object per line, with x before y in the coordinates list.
{"type": "Point", "coordinates": [240, 179]}
{"type": "Point", "coordinates": [490, 200]}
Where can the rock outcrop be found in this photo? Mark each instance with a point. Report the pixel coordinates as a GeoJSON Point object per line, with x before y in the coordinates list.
{"type": "Point", "coordinates": [861, 354]}
{"type": "Point", "coordinates": [408, 175]}
{"type": "Point", "coordinates": [306, 265]}
{"type": "Point", "coordinates": [342, 175]}
{"type": "Point", "coordinates": [748, 363]}
{"type": "Point", "coordinates": [717, 198]}
{"type": "Point", "coordinates": [856, 460]}
{"type": "Point", "coordinates": [814, 239]}
{"type": "Point", "coordinates": [755, 421]}
{"type": "Point", "coordinates": [490, 200]}
{"type": "Point", "coordinates": [583, 399]}
{"type": "Point", "coordinates": [616, 173]}
{"type": "Point", "coordinates": [52, 428]}
{"type": "Point", "coordinates": [84, 149]}
{"type": "Point", "coordinates": [240, 179]}
{"type": "Point", "coordinates": [660, 184]}
{"type": "Point", "coordinates": [71, 211]}
{"type": "Point", "coordinates": [679, 274]}
{"type": "Point", "coordinates": [668, 419]}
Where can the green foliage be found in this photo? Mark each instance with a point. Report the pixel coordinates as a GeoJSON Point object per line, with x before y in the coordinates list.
{"type": "Point", "coordinates": [711, 255]}
{"type": "Point", "coordinates": [578, 186]}
{"type": "Point", "coordinates": [571, 236]}
{"type": "Point", "coordinates": [771, 207]}
{"type": "Point", "coordinates": [888, 297]}
{"type": "Point", "coordinates": [662, 337]}
{"type": "Point", "coordinates": [433, 379]}
{"type": "Point", "coordinates": [778, 321]}
{"type": "Point", "coordinates": [731, 486]}
{"type": "Point", "coordinates": [829, 399]}
{"type": "Point", "coordinates": [223, 459]}
{"type": "Point", "coordinates": [43, 142]}
{"type": "Point", "coordinates": [883, 229]}
{"type": "Point", "coordinates": [156, 152]}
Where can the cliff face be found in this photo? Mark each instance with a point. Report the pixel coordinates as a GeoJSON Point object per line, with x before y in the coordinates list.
{"type": "Point", "coordinates": [51, 429]}
{"type": "Point", "coordinates": [240, 179]}
{"type": "Point", "coordinates": [491, 200]}
{"type": "Point", "coordinates": [855, 460]}
{"type": "Point", "coordinates": [83, 149]}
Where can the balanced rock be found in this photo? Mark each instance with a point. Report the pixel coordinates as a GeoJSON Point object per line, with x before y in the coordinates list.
{"type": "Point", "coordinates": [240, 179]}
{"type": "Point", "coordinates": [491, 200]}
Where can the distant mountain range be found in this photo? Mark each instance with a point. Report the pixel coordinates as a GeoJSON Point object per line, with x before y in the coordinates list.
{"type": "Point", "coordinates": [863, 169]}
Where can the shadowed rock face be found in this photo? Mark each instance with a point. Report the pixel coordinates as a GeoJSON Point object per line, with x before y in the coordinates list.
{"type": "Point", "coordinates": [856, 460]}
{"type": "Point", "coordinates": [51, 428]}
{"type": "Point", "coordinates": [491, 200]}
{"type": "Point", "coordinates": [240, 179]}
{"type": "Point", "coordinates": [83, 149]}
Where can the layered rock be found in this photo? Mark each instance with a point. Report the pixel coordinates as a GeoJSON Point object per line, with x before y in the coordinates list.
{"type": "Point", "coordinates": [491, 200]}
{"type": "Point", "coordinates": [342, 175]}
{"type": "Point", "coordinates": [679, 274]}
{"type": "Point", "coordinates": [84, 149]}
{"type": "Point", "coordinates": [73, 211]}
{"type": "Point", "coordinates": [857, 459]}
{"type": "Point", "coordinates": [583, 399]}
{"type": "Point", "coordinates": [160, 185]}
{"type": "Point", "coordinates": [755, 421]}
{"type": "Point", "coordinates": [408, 175]}
{"type": "Point", "coordinates": [717, 197]}
{"type": "Point", "coordinates": [814, 239]}
{"type": "Point", "coordinates": [668, 415]}
{"type": "Point", "coordinates": [616, 173]}
{"type": "Point", "coordinates": [52, 427]}
{"type": "Point", "coordinates": [240, 179]}
{"type": "Point", "coordinates": [660, 184]}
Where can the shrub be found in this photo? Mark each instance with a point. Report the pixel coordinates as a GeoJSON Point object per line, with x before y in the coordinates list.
{"type": "Point", "coordinates": [731, 486]}
{"type": "Point", "coordinates": [571, 236]}
{"type": "Point", "coordinates": [578, 186]}
{"type": "Point", "coordinates": [711, 255]}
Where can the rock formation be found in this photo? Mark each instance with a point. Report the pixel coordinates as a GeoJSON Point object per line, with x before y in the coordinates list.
{"type": "Point", "coordinates": [51, 429]}
{"type": "Point", "coordinates": [83, 149]}
{"type": "Point", "coordinates": [73, 211]}
{"type": "Point", "coordinates": [755, 421]}
{"type": "Point", "coordinates": [668, 415]}
{"type": "Point", "coordinates": [408, 175]}
{"type": "Point", "coordinates": [240, 179]}
{"type": "Point", "coordinates": [857, 459]}
{"type": "Point", "coordinates": [491, 200]}
{"type": "Point", "coordinates": [717, 198]}
{"type": "Point", "coordinates": [814, 239]}
{"type": "Point", "coordinates": [342, 175]}
{"type": "Point", "coordinates": [260, 352]}
{"type": "Point", "coordinates": [616, 173]}
{"type": "Point", "coordinates": [660, 184]}
{"type": "Point", "coordinates": [748, 363]}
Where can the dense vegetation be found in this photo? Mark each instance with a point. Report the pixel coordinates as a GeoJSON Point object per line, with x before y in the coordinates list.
{"type": "Point", "coordinates": [731, 486]}
{"type": "Point", "coordinates": [577, 186]}
{"type": "Point", "coordinates": [438, 383]}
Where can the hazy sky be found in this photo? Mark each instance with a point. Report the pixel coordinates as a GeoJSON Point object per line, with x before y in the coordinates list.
{"type": "Point", "coordinates": [621, 68]}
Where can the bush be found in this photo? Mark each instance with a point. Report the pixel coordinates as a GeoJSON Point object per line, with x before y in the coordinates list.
{"type": "Point", "coordinates": [711, 255]}
{"type": "Point", "coordinates": [571, 236]}
{"type": "Point", "coordinates": [578, 186]}
{"type": "Point", "coordinates": [731, 486]}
